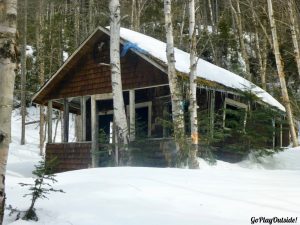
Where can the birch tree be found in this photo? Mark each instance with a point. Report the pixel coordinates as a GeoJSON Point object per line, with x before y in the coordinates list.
{"type": "Point", "coordinates": [176, 94]}
{"type": "Point", "coordinates": [193, 163]}
{"type": "Point", "coordinates": [8, 58]}
{"type": "Point", "coordinates": [121, 127]}
{"type": "Point", "coordinates": [279, 64]}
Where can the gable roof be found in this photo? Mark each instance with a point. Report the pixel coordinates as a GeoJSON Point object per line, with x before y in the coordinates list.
{"type": "Point", "coordinates": [154, 51]}
{"type": "Point", "coordinates": [205, 70]}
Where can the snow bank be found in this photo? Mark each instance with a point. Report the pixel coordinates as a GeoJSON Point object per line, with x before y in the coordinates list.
{"type": "Point", "coordinates": [285, 160]}
{"type": "Point", "coordinates": [134, 196]}
{"type": "Point", "coordinates": [205, 69]}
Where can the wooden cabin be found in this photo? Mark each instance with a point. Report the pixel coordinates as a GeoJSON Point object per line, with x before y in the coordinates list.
{"type": "Point", "coordinates": [82, 86]}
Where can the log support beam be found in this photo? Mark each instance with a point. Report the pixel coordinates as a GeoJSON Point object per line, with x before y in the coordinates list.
{"type": "Point", "coordinates": [94, 126]}
{"type": "Point", "coordinates": [66, 121]}
{"type": "Point", "coordinates": [49, 112]}
{"type": "Point", "coordinates": [132, 114]}
{"type": "Point", "coordinates": [83, 118]}
{"type": "Point", "coordinates": [212, 113]}
{"type": "Point", "coordinates": [280, 135]}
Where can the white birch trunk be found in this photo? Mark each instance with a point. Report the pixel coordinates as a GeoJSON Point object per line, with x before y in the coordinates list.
{"type": "Point", "coordinates": [118, 101]}
{"type": "Point", "coordinates": [193, 162]}
{"type": "Point", "coordinates": [176, 94]}
{"type": "Point", "coordinates": [8, 20]}
{"type": "Point", "coordinates": [293, 27]}
{"type": "Point", "coordinates": [284, 92]}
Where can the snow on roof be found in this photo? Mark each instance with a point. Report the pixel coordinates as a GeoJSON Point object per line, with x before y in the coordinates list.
{"type": "Point", "coordinates": [205, 69]}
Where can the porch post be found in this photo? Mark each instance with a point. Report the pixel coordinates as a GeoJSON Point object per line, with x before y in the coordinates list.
{"type": "Point", "coordinates": [66, 120]}
{"type": "Point", "coordinates": [280, 134]}
{"type": "Point", "coordinates": [165, 117]}
{"type": "Point", "coordinates": [83, 118]}
{"type": "Point", "coordinates": [49, 121]}
{"type": "Point", "coordinates": [94, 127]}
{"type": "Point", "coordinates": [274, 134]}
{"type": "Point", "coordinates": [149, 119]}
{"type": "Point", "coordinates": [132, 114]}
{"type": "Point", "coordinates": [114, 141]}
{"type": "Point", "coordinates": [212, 113]}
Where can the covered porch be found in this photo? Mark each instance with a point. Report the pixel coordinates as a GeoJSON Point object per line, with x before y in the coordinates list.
{"type": "Point", "coordinates": [94, 143]}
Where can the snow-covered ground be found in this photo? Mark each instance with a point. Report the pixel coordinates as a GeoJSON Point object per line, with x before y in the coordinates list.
{"type": "Point", "coordinates": [224, 194]}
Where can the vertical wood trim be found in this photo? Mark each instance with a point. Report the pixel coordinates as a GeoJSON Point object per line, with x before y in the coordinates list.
{"type": "Point", "coordinates": [132, 114]}
{"type": "Point", "coordinates": [83, 118]}
{"type": "Point", "coordinates": [94, 127]}
{"type": "Point", "coordinates": [49, 112]}
{"type": "Point", "coordinates": [66, 120]}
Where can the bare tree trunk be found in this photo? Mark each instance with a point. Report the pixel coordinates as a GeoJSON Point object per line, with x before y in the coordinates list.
{"type": "Point", "coordinates": [118, 101]}
{"type": "Point", "coordinates": [193, 162]}
{"type": "Point", "coordinates": [211, 17]}
{"type": "Point", "coordinates": [77, 23]}
{"type": "Point", "coordinates": [176, 94]}
{"type": "Point", "coordinates": [261, 51]}
{"type": "Point", "coordinates": [182, 26]}
{"type": "Point", "coordinates": [133, 14]}
{"type": "Point", "coordinates": [91, 16]}
{"type": "Point", "coordinates": [294, 27]}
{"type": "Point", "coordinates": [41, 69]}
{"type": "Point", "coordinates": [138, 14]}
{"type": "Point", "coordinates": [263, 67]}
{"type": "Point", "coordinates": [216, 52]}
{"type": "Point", "coordinates": [23, 73]}
{"type": "Point", "coordinates": [284, 92]}
{"type": "Point", "coordinates": [237, 16]}
{"type": "Point", "coordinates": [8, 22]}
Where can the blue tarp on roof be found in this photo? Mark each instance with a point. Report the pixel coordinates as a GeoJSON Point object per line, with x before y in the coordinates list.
{"type": "Point", "coordinates": [129, 45]}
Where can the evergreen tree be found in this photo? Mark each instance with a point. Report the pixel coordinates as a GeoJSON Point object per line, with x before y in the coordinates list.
{"type": "Point", "coordinates": [42, 186]}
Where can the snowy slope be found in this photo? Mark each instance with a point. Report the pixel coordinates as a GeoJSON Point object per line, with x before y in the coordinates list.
{"type": "Point", "coordinates": [205, 69]}
{"type": "Point", "coordinates": [134, 196]}
{"type": "Point", "coordinates": [227, 193]}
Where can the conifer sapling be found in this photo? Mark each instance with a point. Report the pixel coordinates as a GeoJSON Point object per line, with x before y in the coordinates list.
{"type": "Point", "coordinates": [42, 186]}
